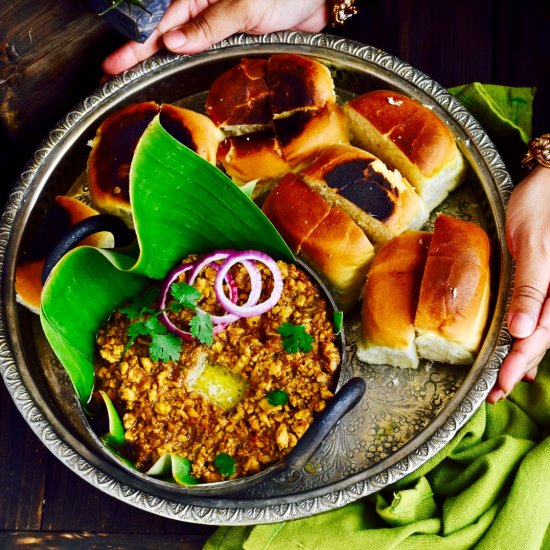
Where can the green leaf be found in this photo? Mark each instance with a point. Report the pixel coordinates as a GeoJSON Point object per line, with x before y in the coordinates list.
{"type": "Point", "coordinates": [165, 347]}
{"type": "Point", "coordinates": [115, 437]}
{"type": "Point", "coordinates": [138, 328]}
{"type": "Point", "coordinates": [185, 294]}
{"type": "Point", "coordinates": [295, 338]}
{"type": "Point", "coordinates": [182, 204]}
{"type": "Point", "coordinates": [225, 464]}
{"type": "Point", "coordinates": [141, 303]}
{"type": "Point", "coordinates": [277, 398]}
{"type": "Point", "coordinates": [181, 471]}
{"type": "Point", "coordinates": [338, 321]}
{"type": "Point", "coordinates": [201, 328]}
{"type": "Point", "coordinates": [82, 291]}
{"type": "Point", "coordinates": [173, 465]}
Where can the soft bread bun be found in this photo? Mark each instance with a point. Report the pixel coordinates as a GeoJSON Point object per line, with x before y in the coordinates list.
{"type": "Point", "coordinates": [362, 185]}
{"type": "Point", "coordinates": [65, 213]}
{"type": "Point", "coordinates": [454, 296]}
{"type": "Point", "coordinates": [297, 82]}
{"type": "Point", "coordinates": [252, 156]}
{"type": "Point", "coordinates": [238, 100]}
{"type": "Point", "coordinates": [115, 142]}
{"type": "Point", "coordinates": [390, 299]}
{"type": "Point", "coordinates": [410, 137]}
{"type": "Point", "coordinates": [323, 235]}
{"type": "Point", "coordinates": [305, 133]}
{"type": "Point", "coordinates": [268, 155]}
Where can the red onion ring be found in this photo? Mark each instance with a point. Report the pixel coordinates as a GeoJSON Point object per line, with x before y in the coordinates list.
{"type": "Point", "coordinates": [165, 320]}
{"type": "Point", "coordinates": [251, 310]}
{"type": "Point", "coordinates": [253, 273]}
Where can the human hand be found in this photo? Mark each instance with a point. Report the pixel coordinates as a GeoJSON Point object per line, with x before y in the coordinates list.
{"type": "Point", "coordinates": [192, 26]}
{"type": "Point", "coordinates": [528, 239]}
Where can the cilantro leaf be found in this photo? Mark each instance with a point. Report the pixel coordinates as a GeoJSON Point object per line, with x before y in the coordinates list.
{"type": "Point", "coordinates": [277, 398]}
{"type": "Point", "coordinates": [154, 326]}
{"type": "Point", "coordinates": [225, 464]}
{"type": "Point", "coordinates": [165, 347]}
{"type": "Point", "coordinates": [295, 338]}
{"type": "Point", "coordinates": [140, 304]}
{"type": "Point", "coordinates": [138, 328]}
{"type": "Point", "coordinates": [201, 328]}
{"type": "Point", "coordinates": [186, 295]}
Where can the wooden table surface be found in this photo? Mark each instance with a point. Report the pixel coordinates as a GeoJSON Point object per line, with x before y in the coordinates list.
{"type": "Point", "coordinates": [50, 54]}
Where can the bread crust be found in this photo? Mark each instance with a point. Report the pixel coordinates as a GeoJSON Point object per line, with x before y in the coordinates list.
{"type": "Point", "coordinates": [367, 190]}
{"type": "Point", "coordinates": [113, 147]}
{"type": "Point", "coordinates": [454, 295]}
{"type": "Point", "coordinates": [323, 235]}
{"type": "Point", "coordinates": [410, 137]}
{"type": "Point", "coordinates": [239, 98]}
{"type": "Point", "coordinates": [391, 291]}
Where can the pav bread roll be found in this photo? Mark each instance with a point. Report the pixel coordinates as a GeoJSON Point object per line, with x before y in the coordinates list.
{"type": "Point", "coordinates": [390, 300]}
{"type": "Point", "coordinates": [410, 137]}
{"type": "Point", "coordinates": [323, 235]}
{"type": "Point", "coordinates": [252, 156]}
{"type": "Point", "coordinates": [362, 185]}
{"type": "Point", "coordinates": [63, 214]}
{"type": "Point", "coordinates": [454, 296]}
{"type": "Point", "coordinates": [268, 155]}
{"type": "Point", "coordinates": [305, 133]}
{"type": "Point", "coordinates": [297, 82]}
{"type": "Point", "coordinates": [238, 100]}
{"type": "Point", "coordinates": [115, 142]}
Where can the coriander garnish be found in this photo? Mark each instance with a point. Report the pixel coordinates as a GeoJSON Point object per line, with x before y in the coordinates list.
{"type": "Point", "coordinates": [295, 338]}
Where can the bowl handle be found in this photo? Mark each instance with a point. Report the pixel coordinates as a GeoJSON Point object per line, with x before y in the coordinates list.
{"type": "Point", "coordinates": [343, 401]}
{"type": "Point", "coordinates": [84, 228]}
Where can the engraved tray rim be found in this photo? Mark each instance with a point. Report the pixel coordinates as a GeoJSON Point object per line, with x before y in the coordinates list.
{"type": "Point", "coordinates": [246, 511]}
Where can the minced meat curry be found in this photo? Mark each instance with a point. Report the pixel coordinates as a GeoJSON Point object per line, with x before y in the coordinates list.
{"type": "Point", "coordinates": [164, 405]}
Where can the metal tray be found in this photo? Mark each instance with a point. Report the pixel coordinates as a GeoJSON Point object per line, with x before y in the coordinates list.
{"type": "Point", "coordinates": [405, 417]}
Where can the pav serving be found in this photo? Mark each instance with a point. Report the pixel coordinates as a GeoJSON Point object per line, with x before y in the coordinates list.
{"type": "Point", "coordinates": [348, 187]}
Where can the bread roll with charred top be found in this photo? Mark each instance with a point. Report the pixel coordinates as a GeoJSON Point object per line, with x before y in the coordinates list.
{"type": "Point", "coordinates": [390, 300]}
{"type": "Point", "coordinates": [454, 296]}
{"type": "Point", "coordinates": [115, 142]}
{"type": "Point", "coordinates": [292, 96]}
{"type": "Point", "coordinates": [410, 137]}
{"type": "Point", "coordinates": [239, 100]}
{"type": "Point", "coordinates": [297, 82]}
{"type": "Point", "coordinates": [362, 185]}
{"type": "Point", "coordinates": [323, 235]}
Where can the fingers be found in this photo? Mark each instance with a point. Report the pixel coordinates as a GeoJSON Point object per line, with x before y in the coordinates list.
{"type": "Point", "coordinates": [133, 52]}
{"type": "Point", "coordinates": [218, 21]}
{"type": "Point", "coordinates": [227, 17]}
{"type": "Point", "coordinates": [524, 357]}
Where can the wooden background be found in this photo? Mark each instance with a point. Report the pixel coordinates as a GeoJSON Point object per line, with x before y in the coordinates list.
{"type": "Point", "coordinates": [50, 54]}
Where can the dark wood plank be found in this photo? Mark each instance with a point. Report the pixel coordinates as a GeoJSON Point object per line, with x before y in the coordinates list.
{"type": "Point", "coordinates": [23, 469]}
{"type": "Point", "coordinates": [93, 541]}
{"type": "Point", "coordinates": [70, 501]}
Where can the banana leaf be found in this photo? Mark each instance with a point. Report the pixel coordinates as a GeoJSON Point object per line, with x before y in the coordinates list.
{"type": "Point", "coordinates": [181, 205]}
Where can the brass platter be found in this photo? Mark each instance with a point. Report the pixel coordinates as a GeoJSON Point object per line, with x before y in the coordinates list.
{"type": "Point", "coordinates": [405, 417]}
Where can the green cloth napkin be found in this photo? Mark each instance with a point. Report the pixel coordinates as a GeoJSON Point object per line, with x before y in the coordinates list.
{"type": "Point", "coordinates": [489, 488]}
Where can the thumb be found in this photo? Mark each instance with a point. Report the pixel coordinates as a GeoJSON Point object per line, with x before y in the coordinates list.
{"type": "Point", "coordinates": [207, 28]}
{"type": "Point", "coordinates": [530, 292]}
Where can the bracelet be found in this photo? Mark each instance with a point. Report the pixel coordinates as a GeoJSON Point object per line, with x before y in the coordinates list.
{"type": "Point", "coordinates": [341, 11]}
{"type": "Point", "coordinates": [538, 153]}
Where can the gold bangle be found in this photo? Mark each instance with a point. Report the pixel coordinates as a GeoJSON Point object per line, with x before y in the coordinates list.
{"type": "Point", "coordinates": [341, 11]}
{"type": "Point", "coordinates": [538, 153]}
